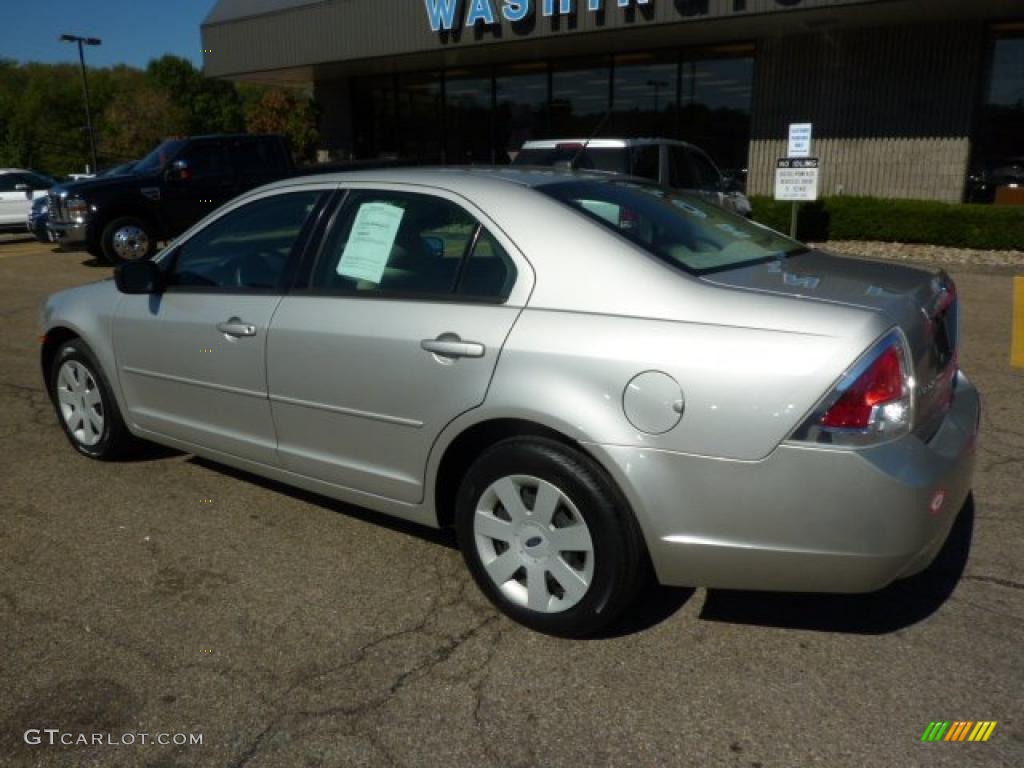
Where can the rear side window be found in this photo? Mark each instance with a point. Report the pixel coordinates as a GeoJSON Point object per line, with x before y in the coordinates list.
{"type": "Point", "coordinates": [488, 272]}
{"type": "Point", "coordinates": [388, 243]}
{"type": "Point", "coordinates": [645, 162]}
{"type": "Point", "coordinates": [246, 249]}
{"type": "Point", "coordinates": [708, 177]}
{"type": "Point", "coordinates": [681, 175]}
{"type": "Point", "coordinates": [612, 159]}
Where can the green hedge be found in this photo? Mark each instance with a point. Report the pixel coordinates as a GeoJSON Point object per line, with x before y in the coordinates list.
{"type": "Point", "coordinates": [985, 227]}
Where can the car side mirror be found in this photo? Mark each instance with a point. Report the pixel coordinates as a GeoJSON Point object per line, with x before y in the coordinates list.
{"type": "Point", "coordinates": [21, 188]}
{"type": "Point", "coordinates": [138, 278]}
{"type": "Point", "coordinates": [179, 171]}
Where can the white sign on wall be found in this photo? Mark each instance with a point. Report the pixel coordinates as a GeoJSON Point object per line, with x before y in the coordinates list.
{"type": "Point", "coordinates": [800, 139]}
{"type": "Point", "coordinates": [796, 179]}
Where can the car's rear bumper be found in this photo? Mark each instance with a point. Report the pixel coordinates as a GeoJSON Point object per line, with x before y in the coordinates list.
{"type": "Point", "coordinates": [805, 519]}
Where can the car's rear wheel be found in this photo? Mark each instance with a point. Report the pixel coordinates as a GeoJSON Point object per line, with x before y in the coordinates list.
{"type": "Point", "coordinates": [85, 405]}
{"type": "Point", "coordinates": [548, 537]}
{"type": "Point", "coordinates": [128, 238]}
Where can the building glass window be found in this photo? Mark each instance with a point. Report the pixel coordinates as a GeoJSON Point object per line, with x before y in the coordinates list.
{"type": "Point", "coordinates": [468, 126]}
{"type": "Point", "coordinates": [420, 117]}
{"type": "Point", "coordinates": [998, 157]}
{"type": "Point", "coordinates": [715, 95]}
{"type": "Point", "coordinates": [521, 96]}
{"type": "Point", "coordinates": [645, 95]}
{"type": "Point", "coordinates": [374, 117]}
{"type": "Point", "coordinates": [579, 100]}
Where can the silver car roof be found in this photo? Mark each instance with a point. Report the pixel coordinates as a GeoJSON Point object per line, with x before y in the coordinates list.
{"type": "Point", "coordinates": [456, 178]}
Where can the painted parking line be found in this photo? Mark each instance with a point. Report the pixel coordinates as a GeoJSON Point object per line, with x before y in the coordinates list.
{"type": "Point", "coordinates": [1017, 344]}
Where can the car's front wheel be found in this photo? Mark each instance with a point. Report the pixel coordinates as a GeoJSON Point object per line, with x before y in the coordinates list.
{"type": "Point", "coordinates": [85, 405]}
{"type": "Point", "coordinates": [128, 239]}
{"type": "Point", "coordinates": [548, 537]}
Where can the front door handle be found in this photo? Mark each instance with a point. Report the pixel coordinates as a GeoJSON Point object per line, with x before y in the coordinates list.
{"type": "Point", "coordinates": [236, 328]}
{"type": "Point", "coordinates": [450, 345]}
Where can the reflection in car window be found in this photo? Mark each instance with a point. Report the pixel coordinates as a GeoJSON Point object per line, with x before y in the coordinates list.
{"type": "Point", "coordinates": [680, 229]}
{"type": "Point", "coordinates": [246, 249]}
{"type": "Point", "coordinates": [395, 242]}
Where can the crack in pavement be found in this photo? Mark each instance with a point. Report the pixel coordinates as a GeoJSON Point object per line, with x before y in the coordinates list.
{"type": "Point", "coordinates": [1009, 583]}
{"type": "Point", "coordinates": [288, 718]}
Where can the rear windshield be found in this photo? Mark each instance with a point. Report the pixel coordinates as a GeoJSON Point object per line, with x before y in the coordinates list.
{"type": "Point", "coordinates": [680, 229]}
{"type": "Point", "coordinates": [612, 159]}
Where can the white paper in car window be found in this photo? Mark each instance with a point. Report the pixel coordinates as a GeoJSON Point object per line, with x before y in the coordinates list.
{"type": "Point", "coordinates": [370, 243]}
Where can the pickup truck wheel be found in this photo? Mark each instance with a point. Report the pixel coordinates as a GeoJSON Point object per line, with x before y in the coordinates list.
{"type": "Point", "coordinates": [128, 239]}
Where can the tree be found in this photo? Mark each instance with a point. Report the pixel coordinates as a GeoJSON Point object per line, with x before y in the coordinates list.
{"type": "Point", "coordinates": [139, 119]}
{"type": "Point", "coordinates": [212, 106]}
{"type": "Point", "coordinates": [283, 111]}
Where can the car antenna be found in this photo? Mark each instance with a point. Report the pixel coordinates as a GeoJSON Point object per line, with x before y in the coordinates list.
{"type": "Point", "coordinates": [593, 135]}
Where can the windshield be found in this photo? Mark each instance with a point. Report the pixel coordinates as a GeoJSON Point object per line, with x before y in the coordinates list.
{"type": "Point", "coordinates": [158, 159]}
{"type": "Point", "coordinates": [680, 229]}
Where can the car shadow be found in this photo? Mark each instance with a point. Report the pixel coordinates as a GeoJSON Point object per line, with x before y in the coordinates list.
{"type": "Point", "coordinates": [900, 605]}
{"type": "Point", "coordinates": [444, 537]}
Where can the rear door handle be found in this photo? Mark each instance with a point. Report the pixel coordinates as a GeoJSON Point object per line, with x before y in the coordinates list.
{"type": "Point", "coordinates": [450, 345]}
{"type": "Point", "coordinates": [236, 328]}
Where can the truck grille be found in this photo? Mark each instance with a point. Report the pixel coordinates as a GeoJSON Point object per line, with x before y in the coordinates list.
{"type": "Point", "coordinates": [57, 210]}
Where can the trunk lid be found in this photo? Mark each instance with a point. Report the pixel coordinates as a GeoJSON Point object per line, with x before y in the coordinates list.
{"type": "Point", "coordinates": [921, 302]}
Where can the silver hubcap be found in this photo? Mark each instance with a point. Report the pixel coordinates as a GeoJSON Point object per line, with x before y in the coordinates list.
{"type": "Point", "coordinates": [80, 403]}
{"type": "Point", "coordinates": [534, 544]}
{"type": "Point", "coordinates": [131, 243]}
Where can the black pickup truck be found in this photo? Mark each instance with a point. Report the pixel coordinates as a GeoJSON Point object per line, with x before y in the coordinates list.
{"type": "Point", "coordinates": [121, 218]}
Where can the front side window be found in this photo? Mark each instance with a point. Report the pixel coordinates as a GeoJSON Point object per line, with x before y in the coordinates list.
{"type": "Point", "coordinates": [206, 159]}
{"type": "Point", "coordinates": [246, 249]}
{"type": "Point", "coordinates": [680, 229]}
{"type": "Point", "coordinates": [160, 157]}
{"type": "Point", "coordinates": [407, 244]}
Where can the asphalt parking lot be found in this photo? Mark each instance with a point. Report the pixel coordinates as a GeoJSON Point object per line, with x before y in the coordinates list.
{"type": "Point", "coordinates": [170, 595]}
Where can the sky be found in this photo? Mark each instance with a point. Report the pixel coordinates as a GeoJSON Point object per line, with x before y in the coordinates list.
{"type": "Point", "coordinates": [132, 31]}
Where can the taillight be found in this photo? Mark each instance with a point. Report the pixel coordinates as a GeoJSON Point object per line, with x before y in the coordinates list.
{"type": "Point", "coordinates": [880, 385]}
{"type": "Point", "coordinates": [873, 402]}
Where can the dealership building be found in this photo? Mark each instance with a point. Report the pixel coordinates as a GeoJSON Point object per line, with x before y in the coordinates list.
{"type": "Point", "coordinates": [906, 97]}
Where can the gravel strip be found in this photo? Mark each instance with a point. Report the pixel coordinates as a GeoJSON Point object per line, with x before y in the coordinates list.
{"type": "Point", "coordinates": [932, 254]}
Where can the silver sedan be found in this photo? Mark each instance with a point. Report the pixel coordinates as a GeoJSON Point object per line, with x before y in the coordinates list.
{"type": "Point", "coordinates": [591, 379]}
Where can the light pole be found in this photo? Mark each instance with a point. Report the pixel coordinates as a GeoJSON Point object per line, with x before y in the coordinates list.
{"type": "Point", "coordinates": [85, 88]}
